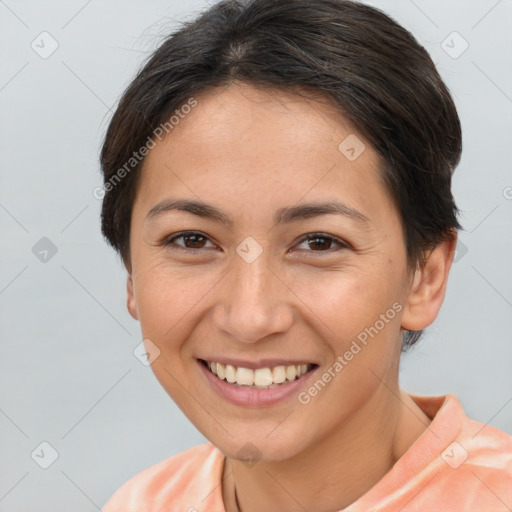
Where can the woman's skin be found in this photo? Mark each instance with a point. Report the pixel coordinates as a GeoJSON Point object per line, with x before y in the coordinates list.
{"type": "Point", "coordinates": [250, 152]}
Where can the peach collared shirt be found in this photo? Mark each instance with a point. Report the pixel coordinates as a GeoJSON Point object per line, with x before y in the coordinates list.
{"type": "Point", "coordinates": [456, 465]}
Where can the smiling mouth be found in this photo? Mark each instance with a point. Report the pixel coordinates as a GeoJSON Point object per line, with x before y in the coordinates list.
{"type": "Point", "coordinates": [260, 378]}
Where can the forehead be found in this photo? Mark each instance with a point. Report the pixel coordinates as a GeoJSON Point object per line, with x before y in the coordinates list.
{"type": "Point", "coordinates": [245, 146]}
{"type": "Point", "coordinates": [243, 113]}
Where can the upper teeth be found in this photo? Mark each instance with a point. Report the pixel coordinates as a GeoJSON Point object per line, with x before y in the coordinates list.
{"type": "Point", "coordinates": [261, 377]}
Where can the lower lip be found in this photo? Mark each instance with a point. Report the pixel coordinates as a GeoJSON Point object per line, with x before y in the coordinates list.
{"type": "Point", "coordinates": [255, 397]}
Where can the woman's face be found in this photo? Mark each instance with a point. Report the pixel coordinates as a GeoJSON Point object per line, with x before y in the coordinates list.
{"type": "Point", "coordinates": [254, 280]}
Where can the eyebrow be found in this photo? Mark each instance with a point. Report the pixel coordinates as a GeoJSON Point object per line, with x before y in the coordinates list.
{"type": "Point", "coordinates": [282, 216]}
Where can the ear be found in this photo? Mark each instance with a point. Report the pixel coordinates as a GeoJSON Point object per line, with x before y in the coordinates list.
{"type": "Point", "coordinates": [427, 291]}
{"type": "Point", "coordinates": [131, 303]}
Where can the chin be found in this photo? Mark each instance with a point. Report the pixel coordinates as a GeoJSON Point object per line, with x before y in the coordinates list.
{"type": "Point", "coordinates": [256, 445]}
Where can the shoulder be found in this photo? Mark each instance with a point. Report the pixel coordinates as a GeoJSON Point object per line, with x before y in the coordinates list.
{"type": "Point", "coordinates": [475, 467]}
{"type": "Point", "coordinates": [465, 464]}
{"type": "Point", "coordinates": [484, 453]}
{"type": "Point", "coordinates": [188, 477]}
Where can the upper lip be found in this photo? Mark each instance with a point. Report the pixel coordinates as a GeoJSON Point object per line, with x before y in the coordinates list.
{"type": "Point", "coordinates": [254, 364]}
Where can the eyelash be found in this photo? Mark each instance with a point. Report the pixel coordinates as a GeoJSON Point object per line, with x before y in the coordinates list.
{"type": "Point", "coordinates": [310, 236]}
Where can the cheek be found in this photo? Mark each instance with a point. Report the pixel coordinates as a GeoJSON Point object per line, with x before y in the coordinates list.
{"type": "Point", "coordinates": [343, 303]}
{"type": "Point", "coordinates": [169, 299]}
{"type": "Point", "coordinates": [168, 305]}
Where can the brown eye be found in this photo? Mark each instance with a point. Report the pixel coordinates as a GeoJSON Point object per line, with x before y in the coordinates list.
{"type": "Point", "coordinates": [320, 242]}
{"type": "Point", "coordinates": [194, 241]}
{"type": "Point", "coordinates": [191, 241]}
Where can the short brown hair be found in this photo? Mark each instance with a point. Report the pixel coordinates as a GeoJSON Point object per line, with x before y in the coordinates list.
{"type": "Point", "coordinates": [374, 71]}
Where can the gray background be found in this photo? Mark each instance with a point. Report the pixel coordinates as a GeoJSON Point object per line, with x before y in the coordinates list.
{"type": "Point", "coordinates": [68, 375]}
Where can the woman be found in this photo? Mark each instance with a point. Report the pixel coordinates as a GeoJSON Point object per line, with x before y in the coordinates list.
{"type": "Point", "coordinates": [277, 182]}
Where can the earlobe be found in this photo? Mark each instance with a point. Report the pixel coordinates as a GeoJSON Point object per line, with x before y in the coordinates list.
{"type": "Point", "coordinates": [130, 298]}
{"type": "Point", "coordinates": [427, 291]}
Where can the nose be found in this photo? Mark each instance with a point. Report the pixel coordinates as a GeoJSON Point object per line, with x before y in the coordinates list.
{"type": "Point", "coordinates": [254, 302]}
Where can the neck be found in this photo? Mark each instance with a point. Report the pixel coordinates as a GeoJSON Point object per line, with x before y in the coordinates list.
{"type": "Point", "coordinates": [335, 471]}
